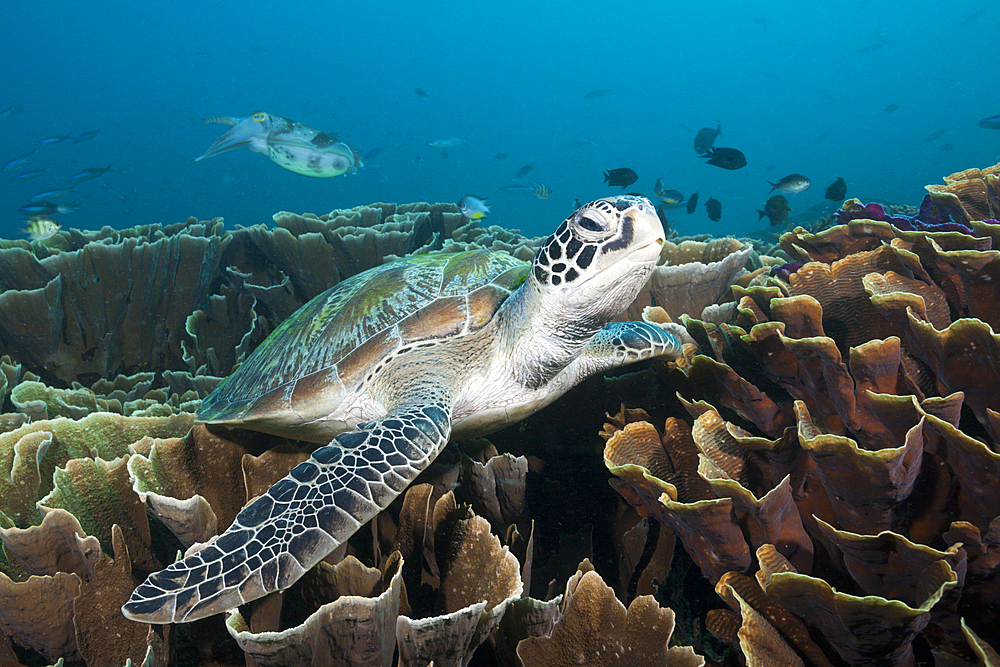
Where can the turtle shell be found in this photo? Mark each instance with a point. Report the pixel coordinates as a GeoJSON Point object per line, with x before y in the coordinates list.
{"type": "Point", "coordinates": [330, 344]}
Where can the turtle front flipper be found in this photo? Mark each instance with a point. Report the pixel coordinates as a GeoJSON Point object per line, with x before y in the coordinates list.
{"type": "Point", "coordinates": [281, 534]}
{"type": "Point", "coordinates": [621, 343]}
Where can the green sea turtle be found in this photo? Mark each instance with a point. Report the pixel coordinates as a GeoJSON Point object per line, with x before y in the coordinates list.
{"type": "Point", "coordinates": [386, 366]}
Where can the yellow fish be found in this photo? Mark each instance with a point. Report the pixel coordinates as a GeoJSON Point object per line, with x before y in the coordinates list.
{"type": "Point", "coordinates": [40, 227]}
{"type": "Point", "coordinates": [541, 191]}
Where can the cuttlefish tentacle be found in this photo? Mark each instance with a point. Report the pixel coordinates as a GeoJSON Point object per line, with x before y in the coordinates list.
{"type": "Point", "coordinates": [289, 144]}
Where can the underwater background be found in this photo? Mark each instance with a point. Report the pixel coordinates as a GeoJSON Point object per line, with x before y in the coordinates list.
{"type": "Point", "coordinates": [798, 88]}
{"type": "Point", "coordinates": [813, 482]}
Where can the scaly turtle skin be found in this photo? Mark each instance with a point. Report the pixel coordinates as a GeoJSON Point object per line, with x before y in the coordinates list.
{"type": "Point", "coordinates": [386, 366]}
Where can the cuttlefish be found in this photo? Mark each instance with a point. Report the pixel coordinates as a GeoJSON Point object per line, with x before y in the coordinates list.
{"type": "Point", "coordinates": [291, 145]}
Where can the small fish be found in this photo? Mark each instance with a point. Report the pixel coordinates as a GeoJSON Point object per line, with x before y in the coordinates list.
{"type": "Point", "coordinates": [88, 174]}
{"type": "Point", "coordinates": [444, 154]}
{"type": "Point", "coordinates": [947, 147]}
{"type": "Point", "coordinates": [871, 47]}
{"type": "Point", "coordinates": [40, 227]}
{"type": "Point", "coordinates": [524, 171]}
{"type": "Point", "coordinates": [473, 208]}
{"type": "Point", "coordinates": [27, 175]}
{"type": "Point", "coordinates": [541, 190]}
{"type": "Point", "coordinates": [622, 176]}
{"type": "Point", "coordinates": [86, 136]}
{"type": "Point", "coordinates": [891, 107]}
{"type": "Point", "coordinates": [421, 93]}
{"type": "Point", "coordinates": [10, 110]}
{"type": "Point", "coordinates": [837, 190]}
{"type": "Point", "coordinates": [705, 138]}
{"type": "Point", "coordinates": [447, 142]}
{"type": "Point", "coordinates": [822, 137]}
{"type": "Point", "coordinates": [578, 143]}
{"type": "Point", "coordinates": [776, 209]}
{"type": "Point", "coordinates": [792, 184]}
{"type": "Point", "coordinates": [726, 158]}
{"type": "Point", "coordinates": [49, 208]}
{"type": "Point", "coordinates": [714, 208]}
{"type": "Point", "coordinates": [991, 123]}
{"type": "Point", "coordinates": [692, 203]}
{"type": "Point", "coordinates": [973, 16]}
{"type": "Point", "coordinates": [21, 159]}
{"type": "Point", "coordinates": [670, 198]}
{"type": "Point", "coordinates": [594, 94]}
{"type": "Point", "coordinates": [662, 215]}
{"type": "Point", "coordinates": [517, 188]}
{"type": "Point", "coordinates": [577, 203]}
{"type": "Point", "coordinates": [57, 139]}
{"type": "Point", "coordinates": [373, 153]}
{"type": "Point", "coordinates": [500, 157]}
{"type": "Point", "coordinates": [935, 135]}
{"type": "Point", "coordinates": [49, 194]}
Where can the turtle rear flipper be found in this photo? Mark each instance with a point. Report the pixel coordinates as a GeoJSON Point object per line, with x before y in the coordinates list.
{"type": "Point", "coordinates": [281, 534]}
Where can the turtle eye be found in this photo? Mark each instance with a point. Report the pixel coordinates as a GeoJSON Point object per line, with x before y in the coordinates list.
{"type": "Point", "coordinates": [260, 116]}
{"type": "Point", "coordinates": [591, 225]}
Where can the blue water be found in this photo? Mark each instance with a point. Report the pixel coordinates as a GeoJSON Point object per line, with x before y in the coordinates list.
{"type": "Point", "coordinates": [798, 87]}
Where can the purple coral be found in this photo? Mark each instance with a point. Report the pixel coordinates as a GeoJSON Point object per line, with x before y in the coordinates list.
{"type": "Point", "coordinates": [930, 218]}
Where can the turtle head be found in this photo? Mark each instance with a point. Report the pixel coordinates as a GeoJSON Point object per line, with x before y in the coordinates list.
{"type": "Point", "coordinates": [600, 256]}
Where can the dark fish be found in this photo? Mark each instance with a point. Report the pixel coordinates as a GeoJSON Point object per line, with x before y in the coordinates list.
{"type": "Point", "coordinates": [706, 137]}
{"type": "Point", "coordinates": [692, 203]}
{"type": "Point", "coordinates": [776, 209]}
{"type": "Point", "coordinates": [973, 16]}
{"type": "Point", "coordinates": [420, 92]}
{"type": "Point", "coordinates": [524, 171]}
{"type": "Point", "coordinates": [935, 135]}
{"type": "Point", "coordinates": [622, 176]}
{"type": "Point", "coordinates": [947, 147]}
{"type": "Point", "coordinates": [88, 175]}
{"type": "Point", "coordinates": [577, 203]}
{"type": "Point", "coordinates": [27, 175]}
{"type": "Point", "coordinates": [837, 190]}
{"type": "Point", "coordinates": [594, 94]}
{"type": "Point", "coordinates": [371, 154]}
{"type": "Point", "coordinates": [891, 107]}
{"type": "Point", "coordinates": [714, 208]}
{"type": "Point", "coordinates": [500, 157]}
{"type": "Point", "coordinates": [86, 136]}
{"type": "Point", "coordinates": [21, 159]}
{"type": "Point", "coordinates": [662, 215]}
{"type": "Point", "coordinates": [578, 143]}
{"type": "Point", "coordinates": [727, 158]}
{"type": "Point", "coordinates": [991, 123]}
{"type": "Point", "coordinates": [822, 137]}
{"type": "Point", "coordinates": [793, 184]}
{"type": "Point", "coordinates": [881, 37]}
{"type": "Point", "coordinates": [871, 47]}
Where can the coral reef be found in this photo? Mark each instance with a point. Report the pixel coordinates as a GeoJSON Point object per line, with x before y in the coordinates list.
{"type": "Point", "coordinates": [842, 447]}
{"type": "Point", "coordinates": [824, 456]}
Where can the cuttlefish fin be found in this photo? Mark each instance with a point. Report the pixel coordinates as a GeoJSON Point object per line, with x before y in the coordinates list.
{"type": "Point", "coordinates": [225, 120]}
